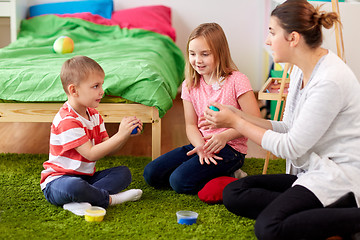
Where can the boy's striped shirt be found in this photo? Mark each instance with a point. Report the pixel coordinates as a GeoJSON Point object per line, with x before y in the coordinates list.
{"type": "Point", "coordinates": [68, 131]}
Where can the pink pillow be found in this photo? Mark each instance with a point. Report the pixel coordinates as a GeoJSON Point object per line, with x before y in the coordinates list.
{"type": "Point", "coordinates": [212, 192]}
{"type": "Point", "coordinates": [94, 18]}
{"type": "Point", "coordinates": [152, 18]}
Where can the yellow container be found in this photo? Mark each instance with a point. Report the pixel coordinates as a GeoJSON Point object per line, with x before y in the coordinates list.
{"type": "Point", "coordinates": [95, 214]}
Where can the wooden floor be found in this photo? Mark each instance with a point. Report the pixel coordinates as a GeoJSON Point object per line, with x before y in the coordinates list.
{"type": "Point", "coordinates": [34, 137]}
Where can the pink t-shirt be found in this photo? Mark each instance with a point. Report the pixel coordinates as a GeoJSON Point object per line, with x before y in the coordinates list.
{"type": "Point", "coordinates": [226, 93]}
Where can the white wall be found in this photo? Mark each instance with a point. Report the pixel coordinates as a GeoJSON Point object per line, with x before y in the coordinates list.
{"type": "Point", "coordinates": [245, 23]}
{"type": "Point", "coordinates": [242, 21]}
{"type": "Point", "coordinates": [350, 17]}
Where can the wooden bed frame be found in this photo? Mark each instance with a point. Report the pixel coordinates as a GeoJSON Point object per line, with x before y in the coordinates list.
{"type": "Point", "coordinates": [45, 112]}
{"type": "Point", "coordinates": [111, 113]}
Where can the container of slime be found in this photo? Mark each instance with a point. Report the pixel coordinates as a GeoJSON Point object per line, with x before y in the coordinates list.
{"type": "Point", "coordinates": [186, 217]}
{"type": "Point", "coordinates": [95, 214]}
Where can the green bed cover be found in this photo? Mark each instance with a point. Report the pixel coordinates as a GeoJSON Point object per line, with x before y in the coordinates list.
{"type": "Point", "coordinates": [140, 66]}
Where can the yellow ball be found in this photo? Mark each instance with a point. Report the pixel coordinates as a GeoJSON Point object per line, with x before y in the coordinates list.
{"type": "Point", "coordinates": [63, 45]}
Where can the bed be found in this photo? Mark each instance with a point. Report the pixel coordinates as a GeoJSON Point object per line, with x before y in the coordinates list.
{"type": "Point", "coordinates": [135, 47]}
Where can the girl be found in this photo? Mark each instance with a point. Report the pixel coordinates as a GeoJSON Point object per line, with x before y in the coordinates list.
{"type": "Point", "coordinates": [319, 137]}
{"type": "Point", "coordinates": [211, 76]}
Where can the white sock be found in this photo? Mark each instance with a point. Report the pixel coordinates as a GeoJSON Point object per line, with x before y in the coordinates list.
{"type": "Point", "coordinates": [129, 195]}
{"type": "Point", "coordinates": [240, 174]}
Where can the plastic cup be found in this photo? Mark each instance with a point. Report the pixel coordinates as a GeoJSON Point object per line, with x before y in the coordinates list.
{"type": "Point", "coordinates": [186, 217]}
{"type": "Point", "coordinates": [95, 214]}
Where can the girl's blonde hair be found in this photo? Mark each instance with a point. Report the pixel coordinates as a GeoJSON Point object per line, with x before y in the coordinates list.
{"type": "Point", "coordinates": [216, 39]}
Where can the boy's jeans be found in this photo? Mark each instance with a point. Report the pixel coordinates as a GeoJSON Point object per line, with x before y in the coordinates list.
{"type": "Point", "coordinates": [92, 189]}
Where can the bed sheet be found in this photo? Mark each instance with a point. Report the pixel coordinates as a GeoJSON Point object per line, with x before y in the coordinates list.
{"type": "Point", "coordinates": [140, 65]}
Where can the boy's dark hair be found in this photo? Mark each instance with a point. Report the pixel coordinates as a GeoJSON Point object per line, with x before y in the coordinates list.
{"type": "Point", "coordinates": [77, 69]}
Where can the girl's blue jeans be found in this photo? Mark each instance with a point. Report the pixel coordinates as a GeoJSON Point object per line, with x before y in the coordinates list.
{"type": "Point", "coordinates": [92, 189]}
{"type": "Point", "coordinates": [185, 174]}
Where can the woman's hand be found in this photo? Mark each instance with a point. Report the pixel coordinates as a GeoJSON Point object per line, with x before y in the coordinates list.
{"type": "Point", "coordinates": [215, 143]}
{"type": "Point", "coordinates": [203, 156]}
{"type": "Point", "coordinates": [207, 125]}
{"type": "Point", "coordinates": [224, 118]}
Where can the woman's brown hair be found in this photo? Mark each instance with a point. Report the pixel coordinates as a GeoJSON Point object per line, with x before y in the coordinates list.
{"type": "Point", "coordinates": [216, 39]}
{"type": "Point", "coordinates": [302, 17]}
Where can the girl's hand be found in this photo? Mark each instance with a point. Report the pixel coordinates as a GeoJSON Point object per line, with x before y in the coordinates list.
{"type": "Point", "coordinates": [224, 118]}
{"type": "Point", "coordinates": [215, 143]}
{"type": "Point", "coordinates": [204, 157]}
{"type": "Point", "coordinates": [204, 123]}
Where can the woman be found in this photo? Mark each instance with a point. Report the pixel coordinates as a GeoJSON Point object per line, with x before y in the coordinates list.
{"type": "Point", "coordinates": [319, 137]}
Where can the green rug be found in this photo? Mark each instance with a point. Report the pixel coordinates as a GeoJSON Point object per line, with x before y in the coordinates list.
{"type": "Point", "coordinates": [25, 214]}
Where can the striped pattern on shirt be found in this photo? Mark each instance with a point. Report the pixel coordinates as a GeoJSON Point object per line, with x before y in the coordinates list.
{"type": "Point", "coordinates": [69, 130]}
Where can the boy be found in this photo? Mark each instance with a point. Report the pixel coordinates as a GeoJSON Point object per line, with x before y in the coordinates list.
{"type": "Point", "coordinates": [79, 138]}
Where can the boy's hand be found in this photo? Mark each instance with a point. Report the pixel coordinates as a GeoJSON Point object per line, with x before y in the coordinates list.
{"type": "Point", "coordinates": [139, 129]}
{"type": "Point", "coordinates": [109, 145]}
{"type": "Point", "coordinates": [128, 124]}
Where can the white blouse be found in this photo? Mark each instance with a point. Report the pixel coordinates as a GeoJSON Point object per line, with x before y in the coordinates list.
{"type": "Point", "coordinates": [320, 132]}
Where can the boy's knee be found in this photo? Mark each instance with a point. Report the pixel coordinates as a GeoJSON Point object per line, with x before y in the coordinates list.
{"type": "Point", "coordinates": [124, 172]}
{"type": "Point", "coordinates": [75, 187]}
